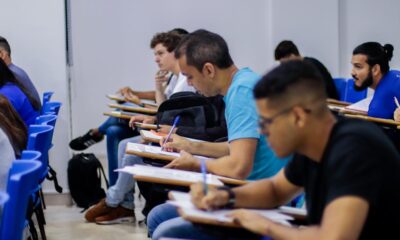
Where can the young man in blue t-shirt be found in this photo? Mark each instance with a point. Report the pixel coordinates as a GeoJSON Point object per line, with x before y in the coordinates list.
{"type": "Point", "coordinates": [205, 60]}
{"type": "Point", "coordinates": [371, 69]}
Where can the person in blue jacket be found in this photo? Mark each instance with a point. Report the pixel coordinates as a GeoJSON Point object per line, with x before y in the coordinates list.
{"type": "Point", "coordinates": [371, 69]}
{"type": "Point", "coordinates": [23, 102]}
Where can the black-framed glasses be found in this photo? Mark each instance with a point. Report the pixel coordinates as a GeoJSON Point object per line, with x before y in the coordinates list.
{"type": "Point", "coordinates": [264, 122]}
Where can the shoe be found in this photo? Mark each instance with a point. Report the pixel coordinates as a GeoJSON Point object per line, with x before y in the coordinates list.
{"type": "Point", "coordinates": [85, 141]}
{"type": "Point", "coordinates": [97, 210]}
{"type": "Point", "coordinates": [117, 215]}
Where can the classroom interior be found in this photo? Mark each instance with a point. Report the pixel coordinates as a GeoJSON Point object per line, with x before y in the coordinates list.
{"type": "Point", "coordinates": [84, 50]}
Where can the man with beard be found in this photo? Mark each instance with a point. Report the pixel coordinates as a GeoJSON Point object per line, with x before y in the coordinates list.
{"type": "Point", "coordinates": [371, 69]}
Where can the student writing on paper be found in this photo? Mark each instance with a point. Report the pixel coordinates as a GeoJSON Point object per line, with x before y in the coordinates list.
{"type": "Point", "coordinates": [370, 62]}
{"type": "Point", "coordinates": [204, 58]}
{"type": "Point", "coordinates": [347, 168]}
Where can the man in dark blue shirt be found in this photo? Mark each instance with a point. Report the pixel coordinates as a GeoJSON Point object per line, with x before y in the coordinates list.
{"type": "Point", "coordinates": [371, 69]}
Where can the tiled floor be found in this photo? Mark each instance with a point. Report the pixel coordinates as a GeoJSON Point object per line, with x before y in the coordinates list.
{"type": "Point", "coordinates": [66, 223]}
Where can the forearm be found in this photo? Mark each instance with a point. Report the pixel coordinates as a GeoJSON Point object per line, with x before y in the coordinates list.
{"type": "Point", "coordinates": [209, 149]}
{"type": "Point", "coordinates": [226, 166]}
{"type": "Point", "coordinates": [149, 95]}
{"type": "Point", "coordinates": [262, 195]}
{"type": "Point", "coordinates": [160, 97]}
{"type": "Point", "coordinates": [277, 231]}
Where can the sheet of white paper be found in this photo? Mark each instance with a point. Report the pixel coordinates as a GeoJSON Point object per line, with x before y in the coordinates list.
{"type": "Point", "coordinates": [150, 134]}
{"type": "Point", "coordinates": [362, 105]}
{"type": "Point", "coordinates": [157, 150]}
{"type": "Point", "coordinates": [171, 174]}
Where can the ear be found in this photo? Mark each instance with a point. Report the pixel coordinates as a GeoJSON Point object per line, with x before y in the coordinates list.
{"type": "Point", "coordinates": [376, 69]}
{"type": "Point", "coordinates": [209, 70]}
{"type": "Point", "coordinates": [300, 116]}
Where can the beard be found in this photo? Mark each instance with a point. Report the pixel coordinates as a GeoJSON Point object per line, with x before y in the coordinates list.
{"type": "Point", "coordinates": [365, 84]}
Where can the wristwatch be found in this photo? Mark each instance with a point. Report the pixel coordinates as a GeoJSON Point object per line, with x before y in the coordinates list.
{"type": "Point", "coordinates": [231, 196]}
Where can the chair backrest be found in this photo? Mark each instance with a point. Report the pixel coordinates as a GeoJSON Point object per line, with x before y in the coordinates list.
{"type": "Point", "coordinates": [31, 155]}
{"type": "Point", "coordinates": [46, 97]}
{"type": "Point", "coordinates": [22, 181]}
{"type": "Point", "coordinates": [352, 95]}
{"type": "Point", "coordinates": [340, 84]}
{"type": "Point", "coordinates": [49, 119]}
{"type": "Point", "coordinates": [39, 139]}
{"type": "Point", "coordinates": [51, 107]}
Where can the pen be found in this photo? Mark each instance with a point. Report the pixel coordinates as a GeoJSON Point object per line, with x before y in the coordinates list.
{"type": "Point", "coordinates": [397, 102]}
{"type": "Point", "coordinates": [204, 173]}
{"type": "Point", "coordinates": [170, 131]}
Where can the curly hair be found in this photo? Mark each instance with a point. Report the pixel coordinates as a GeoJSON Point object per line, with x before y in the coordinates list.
{"type": "Point", "coordinates": [170, 40]}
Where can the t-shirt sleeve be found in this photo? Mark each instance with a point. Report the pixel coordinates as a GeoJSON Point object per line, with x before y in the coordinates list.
{"type": "Point", "coordinates": [356, 172]}
{"type": "Point", "coordinates": [294, 170]}
{"type": "Point", "coordinates": [241, 115]}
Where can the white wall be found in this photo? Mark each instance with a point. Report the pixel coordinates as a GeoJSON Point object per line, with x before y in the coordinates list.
{"type": "Point", "coordinates": [35, 30]}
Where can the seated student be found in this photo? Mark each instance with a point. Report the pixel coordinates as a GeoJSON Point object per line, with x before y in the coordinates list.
{"type": "Point", "coordinates": [371, 69]}
{"type": "Point", "coordinates": [163, 45]}
{"type": "Point", "coordinates": [348, 168]}
{"type": "Point", "coordinates": [205, 60]}
{"type": "Point", "coordinates": [13, 138]}
{"type": "Point", "coordinates": [287, 50]}
{"type": "Point", "coordinates": [22, 101]}
{"type": "Point", "coordinates": [118, 206]}
{"type": "Point", "coordinates": [19, 73]}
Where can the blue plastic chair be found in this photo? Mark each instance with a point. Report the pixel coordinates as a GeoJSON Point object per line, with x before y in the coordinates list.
{"type": "Point", "coordinates": [352, 95]}
{"type": "Point", "coordinates": [49, 119]}
{"type": "Point", "coordinates": [22, 181]}
{"type": "Point", "coordinates": [39, 139]}
{"type": "Point", "coordinates": [340, 84]}
{"type": "Point", "coordinates": [51, 107]}
{"type": "Point", "coordinates": [46, 98]}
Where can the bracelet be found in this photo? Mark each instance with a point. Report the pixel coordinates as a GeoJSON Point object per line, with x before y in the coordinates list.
{"type": "Point", "coordinates": [231, 196]}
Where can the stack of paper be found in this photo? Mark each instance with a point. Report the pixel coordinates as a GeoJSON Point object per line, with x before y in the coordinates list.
{"type": "Point", "coordinates": [156, 150]}
{"type": "Point", "coordinates": [361, 106]}
{"type": "Point", "coordinates": [182, 200]}
{"type": "Point", "coordinates": [170, 174]}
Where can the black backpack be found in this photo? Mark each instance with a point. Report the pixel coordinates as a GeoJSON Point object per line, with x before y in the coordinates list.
{"type": "Point", "coordinates": [84, 180]}
{"type": "Point", "coordinates": [193, 109]}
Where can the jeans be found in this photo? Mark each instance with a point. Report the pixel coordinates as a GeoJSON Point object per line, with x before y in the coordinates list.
{"type": "Point", "coordinates": [164, 221]}
{"type": "Point", "coordinates": [116, 130]}
{"type": "Point", "coordinates": [121, 193]}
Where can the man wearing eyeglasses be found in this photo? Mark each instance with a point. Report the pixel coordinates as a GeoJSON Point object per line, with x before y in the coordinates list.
{"type": "Point", "coordinates": [348, 169]}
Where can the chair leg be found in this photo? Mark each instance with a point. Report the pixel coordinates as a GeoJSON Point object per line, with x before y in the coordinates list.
{"type": "Point", "coordinates": [32, 230]}
{"type": "Point", "coordinates": [41, 221]}
{"type": "Point", "coordinates": [42, 198]}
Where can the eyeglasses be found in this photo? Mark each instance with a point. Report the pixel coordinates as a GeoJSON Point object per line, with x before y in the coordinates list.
{"type": "Point", "coordinates": [264, 122]}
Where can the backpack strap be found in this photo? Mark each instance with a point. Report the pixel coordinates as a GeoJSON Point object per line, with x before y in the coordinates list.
{"type": "Point", "coordinates": [52, 176]}
{"type": "Point", "coordinates": [104, 175]}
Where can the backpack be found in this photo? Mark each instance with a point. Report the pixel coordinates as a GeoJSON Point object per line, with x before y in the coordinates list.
{"type": "Point", "coordinates": [84, 180]}
{"type": "Point", "coordinates": [193, 109]}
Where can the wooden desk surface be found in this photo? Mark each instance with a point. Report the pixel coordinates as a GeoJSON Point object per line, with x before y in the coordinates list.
{"type": "Point", "coordinates": [376, 120]}
{"type": "Point", "coordinates": [147, 111]}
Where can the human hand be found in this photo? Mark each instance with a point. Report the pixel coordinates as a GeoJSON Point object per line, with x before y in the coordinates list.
{"type": "Point", "coordinates": [185, 161]}
{"type": "Point", "coordinates": [161, 79]}
{"type": "Point", "coordinates": [177, 143]}
{"type": "Point", "coordinates": [396, 115]}
{"type": "Point", "coordinates": [141, 119]}
{"type": "Point", "coordinates": [251, 221]}
{"type": "Point", "coordinates": [125, 90]}
{"type": "Point", "coordinates": [130, 97]}
{"type": "Point", "coordinates": [213, 200]}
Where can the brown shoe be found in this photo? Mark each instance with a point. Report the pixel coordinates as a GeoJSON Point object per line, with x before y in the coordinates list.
{"type": "Point", "coordinates": [117, 215]}
{"type": "Point", "coordinates": [97, 210]}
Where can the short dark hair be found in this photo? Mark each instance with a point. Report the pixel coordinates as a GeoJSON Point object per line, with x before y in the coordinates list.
{"type": "Point", "coordinates": [201, 47]}
{"type": "Point", "coordinates": [170, 40]}
{"type": "Point", "coordinates": [5, 45]}
{"type": "Point", "coordinates": [296, 78]}
{"type": "Point", "coordinates": [376, 54]}
{"type": "Point", "coordinates": [179, 31]}
{"type": "Point", "coordinates": [285, 49]}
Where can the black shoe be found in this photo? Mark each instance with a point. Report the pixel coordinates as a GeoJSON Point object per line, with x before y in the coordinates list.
{"type": "Point", "coordinates": [85, 141]}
